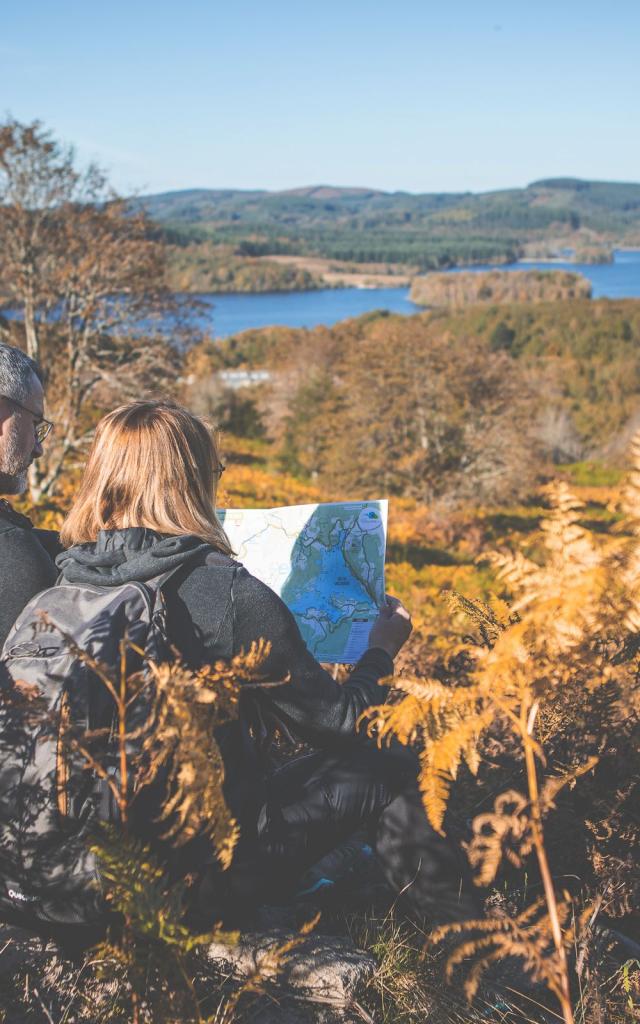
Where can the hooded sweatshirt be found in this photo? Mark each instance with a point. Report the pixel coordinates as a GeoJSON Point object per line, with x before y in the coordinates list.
{"type": "Point", "coordinates": [216, 609]}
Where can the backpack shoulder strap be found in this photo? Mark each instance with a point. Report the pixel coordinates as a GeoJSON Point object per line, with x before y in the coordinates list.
{"type": "Point", "coordinates": [160, 645]}
{"type": "Point", "coordinates": [156, 586]}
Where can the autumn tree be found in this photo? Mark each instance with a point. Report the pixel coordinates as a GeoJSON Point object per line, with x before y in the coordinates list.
{"type": "Point", "coordinates": [83, 272]}
{"type": "Point", "coordinates": [306, 438]}
{"type": "Point", "coordinates": [37, 179]}
{"type": "Point", "coordinates": [436, 418]}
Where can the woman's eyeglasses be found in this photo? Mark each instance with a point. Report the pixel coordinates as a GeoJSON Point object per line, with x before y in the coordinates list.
{"type": "Point", "coordinates": [42, 427]}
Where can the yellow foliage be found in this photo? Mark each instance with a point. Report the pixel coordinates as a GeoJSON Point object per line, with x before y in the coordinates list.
{"type": "Point", "coordinates": [179, 737]}
{"type": "Point", "coordinates": [529, 937]}
{"type": "Point", "coordinates": [447, 723]}
{"type": "Point", "coordinates": [503, 832]}
{"type": "Point", "coordinates": [569, 636]}
{"type": "Point", "coordinates": [248, 486]}
{"type": "Point", "coordinates": [177, 726]}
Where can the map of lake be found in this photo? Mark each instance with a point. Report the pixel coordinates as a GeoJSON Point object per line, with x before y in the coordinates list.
{"type": "Point", "coordinates": [326, 562]}
{"type": "Point", "coordinates": [229, 314]}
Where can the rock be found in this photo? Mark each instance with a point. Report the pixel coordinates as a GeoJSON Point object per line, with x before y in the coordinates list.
{"type": "Point", "coordinates": [321, 968]}
{"type": "Point", "coordinates": [317, 982]}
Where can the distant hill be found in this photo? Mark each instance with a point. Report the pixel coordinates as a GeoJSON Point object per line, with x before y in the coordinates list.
{"type": "Point", "coordinates": [426, 231]}
{"type": "Point", "coordinates": [538, 204]}
{"type": "Point", "coordinates": [331, 192]}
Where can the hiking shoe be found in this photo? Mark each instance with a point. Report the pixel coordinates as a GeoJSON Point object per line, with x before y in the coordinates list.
{"type": "Point", "coordinates": [341, 864]}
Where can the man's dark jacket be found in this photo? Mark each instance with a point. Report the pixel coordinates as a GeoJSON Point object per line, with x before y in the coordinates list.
{"type": "Point", "coordinates": [26, 564]}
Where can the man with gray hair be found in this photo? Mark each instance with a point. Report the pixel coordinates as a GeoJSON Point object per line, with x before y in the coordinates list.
{"type": "Point", "coordinates": [26, 554]}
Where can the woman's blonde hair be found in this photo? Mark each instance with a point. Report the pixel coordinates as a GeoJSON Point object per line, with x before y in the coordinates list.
{"type": "Point", "coordinates": [151, 464]}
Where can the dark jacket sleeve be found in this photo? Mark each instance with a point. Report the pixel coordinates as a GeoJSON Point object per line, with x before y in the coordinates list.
{"type": "Point", "coordinates": [25, 570]}
{"type": "Point", "coordinates": [312, 704]}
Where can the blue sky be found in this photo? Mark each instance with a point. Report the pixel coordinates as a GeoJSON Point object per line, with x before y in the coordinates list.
{"type": "Point", "coordinates": [422, 96]}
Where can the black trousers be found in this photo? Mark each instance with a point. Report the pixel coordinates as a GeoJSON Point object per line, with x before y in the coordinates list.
{"type": "Point", "coordinates": [318, 800]}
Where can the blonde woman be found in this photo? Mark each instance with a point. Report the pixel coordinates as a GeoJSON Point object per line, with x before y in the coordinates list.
{"type": "Point", "coordinates": [146, 505]}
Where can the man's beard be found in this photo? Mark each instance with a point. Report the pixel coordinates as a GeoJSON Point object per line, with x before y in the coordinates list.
{"type": "Point", "coordinates": [14, 472]}
{"type": "Point", "coordinates": [14, 484]}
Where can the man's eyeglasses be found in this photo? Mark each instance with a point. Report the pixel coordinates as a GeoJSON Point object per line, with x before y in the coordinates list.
{"type": "Point", "coordinates": [41, 426]}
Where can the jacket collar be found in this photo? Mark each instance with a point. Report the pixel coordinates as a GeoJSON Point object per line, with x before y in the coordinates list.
{"type": "Point", "coordinates": [9, 514]}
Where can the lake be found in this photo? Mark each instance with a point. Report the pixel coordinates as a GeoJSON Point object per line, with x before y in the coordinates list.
{"type": "Point", "coordinates": [231, 313]}
{"type": "Point", "coordinates": [234, 312]}
{"type": "Point", "coordinates": [225, 314]}
{"type": "Point", "coordinates": [617, 280]}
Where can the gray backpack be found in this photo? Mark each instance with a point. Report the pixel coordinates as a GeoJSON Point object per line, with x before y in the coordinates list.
{"type": "Point", "coordinates": [50, 801]}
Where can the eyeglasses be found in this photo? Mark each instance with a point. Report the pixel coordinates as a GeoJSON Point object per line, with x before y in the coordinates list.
{"type": "Point", "coordinates": [41, 426]}
{"type": "Point", "coordinates": [220, 470]}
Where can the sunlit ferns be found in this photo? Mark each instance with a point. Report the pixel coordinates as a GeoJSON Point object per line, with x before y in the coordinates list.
{"type": "Point", "coordinates": [563, 629]}
{"type": "Point", "coordinates": [529, 936]}
{"type": "Point", "coordinates": [179, 735]}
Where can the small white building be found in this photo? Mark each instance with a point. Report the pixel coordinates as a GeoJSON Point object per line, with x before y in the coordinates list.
{"type": "Point", "coordinates": [242, 378]}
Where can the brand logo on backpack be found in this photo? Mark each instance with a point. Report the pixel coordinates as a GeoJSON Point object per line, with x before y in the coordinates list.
{"type": "Point", "coordinates": [20, 897]}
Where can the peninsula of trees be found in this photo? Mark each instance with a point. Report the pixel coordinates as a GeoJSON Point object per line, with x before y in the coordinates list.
{"type": "Point", "coordinates": [498, 287]}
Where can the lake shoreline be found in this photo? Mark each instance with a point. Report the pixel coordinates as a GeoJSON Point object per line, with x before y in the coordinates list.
{"type": "Point", "coordinates": [376, 281]}
{"type": "Point", "coordinates": [234, 313]}
{"type": "Point", "coordinates": [224, 314]}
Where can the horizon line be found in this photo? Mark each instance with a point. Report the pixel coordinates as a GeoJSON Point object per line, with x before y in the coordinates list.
{"type": "Point", "coordinates": [381, 191]}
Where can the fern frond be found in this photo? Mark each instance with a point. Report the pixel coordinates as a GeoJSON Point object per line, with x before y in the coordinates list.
{"type": "Point", "coordinates": [179, 737]}
{"type": "Point", "coordinates": [490, 621]}
{"type": "Point", "coordinates": [140, 889]}
{"type": "Point", "coordinates": [527, 937]}
{"type": "Point", "coordinates": [553, 784]}
{"type": "Point", "coordinates": [402, 720]}
{"type": "Point", "coordinates": [503, 832]}
{"type": "Point", "coordinates": [434, 785]}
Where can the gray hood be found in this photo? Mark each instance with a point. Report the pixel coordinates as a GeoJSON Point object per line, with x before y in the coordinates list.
{"type": "Point", "coordinates": [120, 556]}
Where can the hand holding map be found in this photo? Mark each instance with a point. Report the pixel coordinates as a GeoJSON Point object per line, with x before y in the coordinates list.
{"type": "Point", "coordinates": [325, 561]}
{"type": "Point", "coordinates": [392, 628]}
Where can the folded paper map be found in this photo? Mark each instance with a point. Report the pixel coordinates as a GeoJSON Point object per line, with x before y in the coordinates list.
{"type": "Point", "coordinates": [325, 561]}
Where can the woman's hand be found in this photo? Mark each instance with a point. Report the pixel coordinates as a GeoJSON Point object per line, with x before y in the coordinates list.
{"type": "Point", "coordinates": [392, 628]}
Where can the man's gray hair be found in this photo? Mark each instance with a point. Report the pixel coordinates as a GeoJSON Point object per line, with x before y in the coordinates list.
{"type": "Point", "coordinates": [16, 373]}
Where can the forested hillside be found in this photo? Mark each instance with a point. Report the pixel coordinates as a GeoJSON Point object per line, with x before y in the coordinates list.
{"type": "Point", "coordinates": [426, 231]}
{"type": "Point", "coordinates": [559, 379]}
